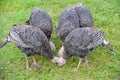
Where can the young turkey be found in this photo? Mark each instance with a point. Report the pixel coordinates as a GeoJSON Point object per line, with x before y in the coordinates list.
{"type": "Point", "coordinates": [85, 15]}
{"type": "Point", "coordinates": [30, 40]}
{"type": "Point", "coordinates": [81, 42]}
{"type": "Point", "coordinates": [41, 19]}
{"type": "Point", "coordinates": [68, 21]}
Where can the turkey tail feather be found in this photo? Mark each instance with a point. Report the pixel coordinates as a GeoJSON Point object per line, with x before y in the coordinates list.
{"type": "Point", "coordinates": [5, 41]}
{"type": "Point", "coordinates": [108, 45]}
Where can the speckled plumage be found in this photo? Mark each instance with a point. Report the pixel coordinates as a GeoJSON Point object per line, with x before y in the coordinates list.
{"type": "Point", "coordinates": [81, 41]}
{"type": "Point", "coordinates": [68, 21]}
{"type": "Point", "coordinates": [85, 15]}
{"type": "Point", "coordinates": [31, 40]}
{"type": "Point", "coordinates": [40, 18]}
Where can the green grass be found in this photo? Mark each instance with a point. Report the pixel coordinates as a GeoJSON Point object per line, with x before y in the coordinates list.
{"type": "Point", "coordinates": [103, 65]}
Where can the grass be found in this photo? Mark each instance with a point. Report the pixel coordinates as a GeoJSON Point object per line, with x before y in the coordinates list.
{"type": "Point", "coordinates": [103, 65]}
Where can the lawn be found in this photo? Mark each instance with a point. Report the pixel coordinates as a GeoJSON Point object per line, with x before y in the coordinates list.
{"type": "Point", "coordinates": [102, 64]}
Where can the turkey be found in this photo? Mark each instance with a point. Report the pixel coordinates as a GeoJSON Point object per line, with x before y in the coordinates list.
{"type": "Point", "coordinates": [30, 40]}
{"type": "Point", "coordinates": [41, 19]}
{"type": "Point", "coordinates": [68, 21]}
{"type": "Point", "coordinates": [80, 42]}
{"type": "Point", "coordinates": [85, 15]}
